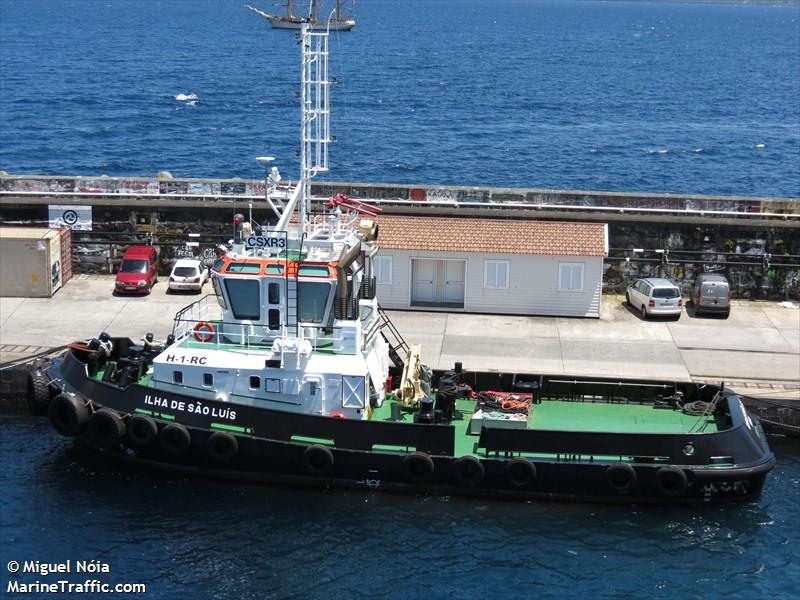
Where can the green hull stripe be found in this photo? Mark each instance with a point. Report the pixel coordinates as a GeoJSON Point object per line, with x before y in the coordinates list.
{"type": "Point", "coordinates": [312, 440]}
{"type": "Point", "coordinates": [392, 448]}
{"type": "Point", "coordinates": [234, 428]}
{"type": "Point", "coordinates": [155, 415]}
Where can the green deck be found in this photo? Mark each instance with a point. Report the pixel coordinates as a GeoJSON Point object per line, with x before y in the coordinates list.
{"type": "Point", "coordinates": [561, 415]}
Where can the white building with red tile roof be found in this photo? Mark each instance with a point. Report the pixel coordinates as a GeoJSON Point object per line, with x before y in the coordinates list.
{"type": "Point", "coordinates": [491, 265]}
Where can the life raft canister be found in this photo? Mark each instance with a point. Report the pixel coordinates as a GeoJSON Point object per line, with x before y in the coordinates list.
{"type": "Point", "coordinates": [204, 332]}
{"type": "Point", "coordinates": [68, 414]}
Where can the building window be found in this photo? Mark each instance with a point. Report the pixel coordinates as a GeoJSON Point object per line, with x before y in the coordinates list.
{"type": "Point", "coordinates": [383, 269]}
{"type": "Point", "coordinates": [495, 274]}
{"type": "Point", "coordinates": [570, 277]}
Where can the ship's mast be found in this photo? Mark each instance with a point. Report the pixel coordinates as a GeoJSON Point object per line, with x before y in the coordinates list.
{"type": "Point", "coordinates": [315, 118]}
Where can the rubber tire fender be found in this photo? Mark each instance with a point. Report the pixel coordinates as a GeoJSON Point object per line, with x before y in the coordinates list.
{"type": "Point", "coordinates": [468, 471]}
{"type": "Point", "coordinates": [105, 428]}
{"type": "Point", "coordinates": [142, 431]}
{"type": "Point", "coordinates": [38, 393]}
{"type": "Point", "coordinates": [175, 439]}
{"type": "Point", "coordinates": [418, 467]}
{"type": "Point", "coordinates": [621, 478]}
{"type": "Point", "coordinates": [68, 414]}
{"type": "Point", "coordinates": [520, 472]}
{"type": "Point", "coordinates": [318, 459]}
{"type": "Point", "coordinates": [222, 447]}
{"type": "Point", "coordinates": [672, 481]}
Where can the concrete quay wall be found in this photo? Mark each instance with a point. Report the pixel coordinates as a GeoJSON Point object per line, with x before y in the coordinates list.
{"type": "Point", "coordinates": [754, 241]}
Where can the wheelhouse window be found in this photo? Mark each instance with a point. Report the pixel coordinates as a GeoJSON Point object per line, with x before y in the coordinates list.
{"type": "Point", "coordinates": [249, 268]}
{"type": "Point", "coordinates": [218, 292]}
{"type": "Point", "coordinates": [244, 299]}
{"type": "Point", "coordinates": [495, 274]}
{"type": "Point", "coordinates": [570, 277]}
{"type": "Point", "coordinates": [312, 301]}
{"type": "Point", "coordinates": [274, 292]}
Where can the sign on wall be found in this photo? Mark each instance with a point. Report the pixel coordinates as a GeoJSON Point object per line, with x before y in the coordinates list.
{"type": "Point", "coordinates": [72, 217]}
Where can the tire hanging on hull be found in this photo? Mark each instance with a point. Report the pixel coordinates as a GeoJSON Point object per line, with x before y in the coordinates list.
{"type": "Point", "coordinates": [105, 429]}
{"type": "Point", "coordinates": [142, 431]}
{"type": "Point", "coordinates": [222, 447]}
{"type": "Point", "coordinates": [38, 393]}
{"type": "Point", "coordinates": [520, 472]}
{"type": "Point", "coordinates": [621, 478]}
{"type": "Point", "coordinates": [418, 467]}
{"type": "Point", "coordinates": [468, 471]}
{"type": "Point", "coordinates": [318, 460]}
{"type": "Point", "coordinates": [68, 413]}
{"type": "Point", "coordinates": [175, 439]}
{"type": "Point", "coordinates": [672, 481]}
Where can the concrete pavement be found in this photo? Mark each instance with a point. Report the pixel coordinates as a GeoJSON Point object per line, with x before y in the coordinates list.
{"type": "Point", "coordinates": [756, 350]}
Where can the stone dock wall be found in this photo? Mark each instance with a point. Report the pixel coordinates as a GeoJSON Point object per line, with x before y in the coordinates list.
{"type": "Point", "coordinates": [754, 241]}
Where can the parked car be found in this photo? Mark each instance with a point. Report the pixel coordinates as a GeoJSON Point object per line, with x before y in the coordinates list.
{"type": "Point", "coordinates": [654, 296]}
{"type": "Point", "coordinates": [138, 272]}
{"type": "Point", "coordinates": [188, 274]}
{"type": "Point", "coordinates": [711, 293]}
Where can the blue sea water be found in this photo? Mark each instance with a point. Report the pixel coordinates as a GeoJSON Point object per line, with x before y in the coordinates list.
{"type": "Point", "coordinates": [602, 95]}
{"type": "Point", "coordinates": [196, 539]}
{"type": "Point", "coordinates": [630, 96]}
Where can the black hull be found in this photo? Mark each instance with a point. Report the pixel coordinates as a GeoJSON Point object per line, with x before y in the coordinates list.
{"type": "Point", "coordinates": [339, 453]}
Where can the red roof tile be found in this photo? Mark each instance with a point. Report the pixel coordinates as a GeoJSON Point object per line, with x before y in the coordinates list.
{"type": "Point", "coordinates": [495, 236]}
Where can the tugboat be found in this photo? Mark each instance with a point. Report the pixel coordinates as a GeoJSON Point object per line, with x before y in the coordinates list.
{"type": "Point", "coordinates": [292, 373]}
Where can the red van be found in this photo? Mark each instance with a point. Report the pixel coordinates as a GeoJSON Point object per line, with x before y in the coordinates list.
{"type": "Point", "coordinates": [138, 272]}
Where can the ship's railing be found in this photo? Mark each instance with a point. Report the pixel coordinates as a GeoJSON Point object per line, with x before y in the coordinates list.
{"type": "Point", "coordinates": [187, 319]}
{"type": "Point", "coordinates": [194, 324]}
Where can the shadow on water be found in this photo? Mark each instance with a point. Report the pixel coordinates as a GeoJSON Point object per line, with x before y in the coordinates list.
{"type": "Point", "coordinates": [253, 541]}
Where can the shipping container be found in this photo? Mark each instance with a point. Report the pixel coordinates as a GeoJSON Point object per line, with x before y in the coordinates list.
{"type": "Point", "coordinates": [34, 262]}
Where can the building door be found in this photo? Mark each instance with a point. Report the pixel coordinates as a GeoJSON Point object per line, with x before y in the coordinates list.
{"type": "Point", "coordinates": [423, 273]}
{"type": "Point", "coordinates": [454, 282]}
{"type": "Point", "coordinates": [437, 282]}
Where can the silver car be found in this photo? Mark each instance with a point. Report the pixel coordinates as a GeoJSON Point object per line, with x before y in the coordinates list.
{"type": "Point", "coordinates": [655, 296]}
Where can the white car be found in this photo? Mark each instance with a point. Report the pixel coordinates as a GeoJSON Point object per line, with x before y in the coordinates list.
{"type": "Point", "coordinates": [188, 274]}
{"type": "Point", "coordinates": [655, 296]}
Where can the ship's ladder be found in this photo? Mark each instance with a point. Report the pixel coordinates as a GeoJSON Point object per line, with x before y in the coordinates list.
{"type": "Point", "coordinates": [291, 287]}
{"type": "Point", "coordinates": [397, 345]}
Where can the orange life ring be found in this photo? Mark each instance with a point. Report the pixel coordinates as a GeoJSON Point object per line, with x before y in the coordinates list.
{"type": "Point", "coordinates": [204, 332]}
{"type": "Point", "coordinates": [338, 415]}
